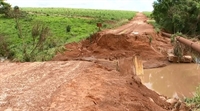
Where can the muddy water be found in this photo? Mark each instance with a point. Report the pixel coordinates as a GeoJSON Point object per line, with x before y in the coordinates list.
{"type": "Point", "coordinates": [175, 80]}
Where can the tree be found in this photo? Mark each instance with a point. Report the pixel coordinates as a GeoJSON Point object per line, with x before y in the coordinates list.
{"type": "Point", "coordinates": [178, 15]}
{"type": "Point", "coordinates": [4, 7]}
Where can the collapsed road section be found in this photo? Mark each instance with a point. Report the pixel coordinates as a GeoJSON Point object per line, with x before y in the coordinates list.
{"type": "Point", "coordinates": [76, 86]}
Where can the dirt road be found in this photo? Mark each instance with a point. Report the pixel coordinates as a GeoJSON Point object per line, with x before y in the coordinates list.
{"type": "Point", "coordinates": [29, 86]}
{"type": "Point", "coordinates": [137, 25]}
{"type": "Point", "coordinates": [89, 79]}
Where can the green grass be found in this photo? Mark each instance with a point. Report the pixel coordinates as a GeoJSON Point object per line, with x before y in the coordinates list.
{"type": "Point", "coordinates": [148, 14]}
{"type": "Point", "coordinates": [90, 13]}
{"type": "Point", "coordinates": [195, 101]}
{"type": "Point", "coordinates": [82, 23]}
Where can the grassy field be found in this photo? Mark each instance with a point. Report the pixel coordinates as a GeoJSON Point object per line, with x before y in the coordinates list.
{"type": "Point", "coordinates": [65, 25]}
{"type": "Point", "coordinates": [82, 21]}
{"type": "Point", "coordinates": [90, 13]}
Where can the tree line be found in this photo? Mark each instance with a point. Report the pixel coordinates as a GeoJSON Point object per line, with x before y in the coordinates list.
{"type": "Point", "coordinates": [181, 16]}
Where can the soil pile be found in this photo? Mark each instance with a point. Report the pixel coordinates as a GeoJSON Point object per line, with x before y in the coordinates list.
{"type": "Point", "coordinates": [113, 47]}
{"type": "Point", "coordinates": [75, 86]}
{"type": "Point", "coordinates": [137, 38]}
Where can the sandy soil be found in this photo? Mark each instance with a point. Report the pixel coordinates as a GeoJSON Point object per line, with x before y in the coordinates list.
{"type": "Point", "coordinates": [87, 77]}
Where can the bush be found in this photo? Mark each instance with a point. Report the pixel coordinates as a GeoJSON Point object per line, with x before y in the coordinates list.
{"type": "Point", "coordinates": [68, 28]}
{"type": "Point", "coordinates": [37, 47]}
{"type": "Point", "coordinates": [4, 47]}
{"type": "Point", "coordinates": [5, 7]}
{"type": "Point", "coordinates": [12, 13]}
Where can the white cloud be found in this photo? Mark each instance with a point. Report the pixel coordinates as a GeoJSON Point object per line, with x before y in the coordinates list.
{"type": "Point", "coordinates": [136, 5]}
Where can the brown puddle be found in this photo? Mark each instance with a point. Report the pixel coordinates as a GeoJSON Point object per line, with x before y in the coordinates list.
{"type": "Point", "coordinates": [175, 80]}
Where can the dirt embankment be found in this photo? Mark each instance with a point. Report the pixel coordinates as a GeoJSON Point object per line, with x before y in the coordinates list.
{"type": "Point", "coordinates": [75, 86]}
{"type": "Point", "coordinates": [96, 74]}
{"type": "Point", "coordinates": [136, 38]}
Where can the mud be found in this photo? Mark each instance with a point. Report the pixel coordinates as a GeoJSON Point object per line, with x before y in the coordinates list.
{"type": "Point", "coordinates": [172, 82]}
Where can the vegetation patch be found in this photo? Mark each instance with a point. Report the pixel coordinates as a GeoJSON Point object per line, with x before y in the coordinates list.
{"type": "Point", "coordinates": [178, 16]}
{"type": "Point", "coordinates": [41, 32]}
{"type": "Point", "coordinates": [195, 101]}
{"type": "Point", "coordinates": [148, 14]}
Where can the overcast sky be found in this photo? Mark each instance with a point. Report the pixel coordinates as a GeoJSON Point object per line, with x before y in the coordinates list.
{"type": "Point", "coordinates": [136, 5]}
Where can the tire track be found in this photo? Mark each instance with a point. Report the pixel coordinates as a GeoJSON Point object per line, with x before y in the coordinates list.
{"type": "Point", "coordinates": [138, 24]}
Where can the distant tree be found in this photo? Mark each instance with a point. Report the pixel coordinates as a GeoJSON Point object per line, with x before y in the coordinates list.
{"type": "Point", "coordinates": [178, 15]}
{"type": "Point", "coordinates": [16, 8]}
{"type": "Point", "coordinates": [4, 7]}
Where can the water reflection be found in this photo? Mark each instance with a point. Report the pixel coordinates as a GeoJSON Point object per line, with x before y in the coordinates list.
{"type": "Point", "coordinates": [175, 80]}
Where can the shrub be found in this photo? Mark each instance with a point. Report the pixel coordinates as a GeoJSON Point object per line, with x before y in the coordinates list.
{"type": "Point", "coordinates": [4, 47]}
{"type": "Point", "coordinates": [68, 28]}
{"type": "Point", "coordinates": [37, 47]}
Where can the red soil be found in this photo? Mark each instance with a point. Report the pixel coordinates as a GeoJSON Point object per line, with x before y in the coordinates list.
{"type": "Point", "coordinates": [100, 85]}
{"type": "Point", "coordinates": [122, 43]}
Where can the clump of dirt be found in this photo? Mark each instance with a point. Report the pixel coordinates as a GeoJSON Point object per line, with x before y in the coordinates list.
{"type": "Point", "coordinates": [114, 42]}
{"type": "Point", "coordinates": [113, 47]}
{"type": "Point", "coordinates": [118, 93]}
{"type": "Point", "coordinates": [106, 90]}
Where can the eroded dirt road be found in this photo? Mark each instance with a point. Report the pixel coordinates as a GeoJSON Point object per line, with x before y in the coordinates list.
{"type": "Point", "coordinates": [137, 38]}
{"type": "Point", "coordinates": [74, 86]}
{"type": "Point", "coordinates": [87, 77]}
